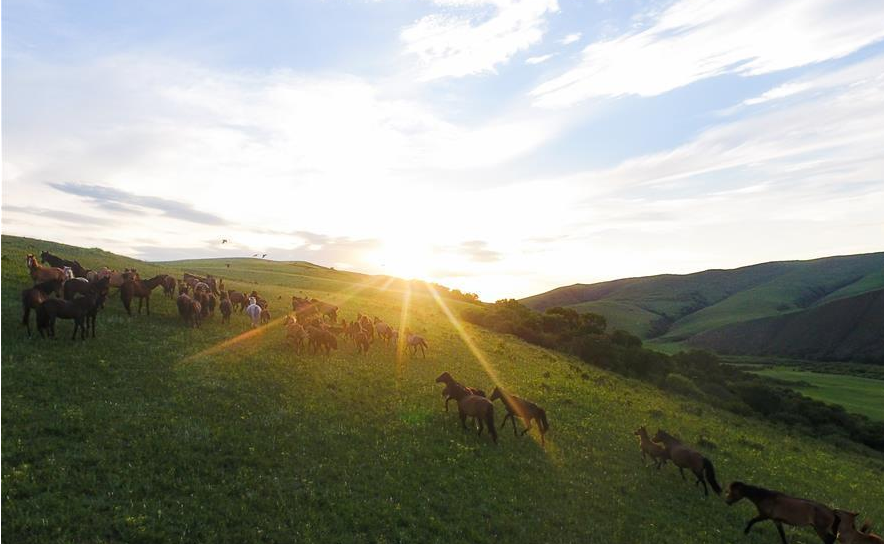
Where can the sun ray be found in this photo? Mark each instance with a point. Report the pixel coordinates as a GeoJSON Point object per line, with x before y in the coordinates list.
{"type": "Point", "coordinates": [403, 325]}
{"type": "Point", "coordinates": [251, 334]}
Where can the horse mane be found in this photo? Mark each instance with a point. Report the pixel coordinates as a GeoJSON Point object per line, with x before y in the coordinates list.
{"type": "Point", "coordinates": [756, 492]}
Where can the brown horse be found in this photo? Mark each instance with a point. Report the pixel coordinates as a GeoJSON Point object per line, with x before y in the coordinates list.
{"type": "Point", "coordinates": [414, 341]}
{"type": "Point", "coordinates": [42, 274]}
{"type": "Point", "coordinates": [524, 409]}
{"type": "Point", "coordinates": [185, 307]}
{"type": "Point", "coordinates": [476, 407]}
{"type": "Point", "coordinates": [321, 339]}
{"type": "Point", "coordinates": [169, 287]}
{"type": "Point", "coordinates": [684, 457]}
{"type": "Point", "coordinates": [649, 448]}
{"type": "Point", "coordinates": [226, 307]}
{"type": "Point", "coordinates": [295, 333]}
{"type": "Point", "coordinates": [133, 288]}
{"type": "Point", "coordinates": [58, 262]}
{"type": "Point", "coordinates": [384, 331]}
{"type": "Point", "coordinates": [781, 508]}
{"type": "Point", "coordinates": [847, 533]}
{"type": "Point", "coordinates": [449, 391]}
{"type": "Point", "coordinates": [32, 298]}
{"type": "Point", "coordinates": [76, 286]}
{"type": "Point", "coordinates": [362, 342]}
{"type": "Point", "coordinates": [238, 300]}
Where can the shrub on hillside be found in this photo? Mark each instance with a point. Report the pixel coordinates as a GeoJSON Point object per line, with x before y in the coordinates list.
{"type": "Point", "coordinates": [682, 385]}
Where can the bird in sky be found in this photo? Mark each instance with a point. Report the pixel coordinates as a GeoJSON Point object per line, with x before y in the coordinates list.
{"type": "Point", "coordinates": [264, 255]}
{"type": "Point", "coordinates": [255, 255]}
{"type": "Point", "coordinates": [224, 241]}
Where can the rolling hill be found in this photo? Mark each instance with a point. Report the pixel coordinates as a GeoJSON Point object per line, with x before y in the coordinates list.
{"type": "Point", "coordinates": [669, 309]}
{"type": "Point", "coordinates": [155, 432]}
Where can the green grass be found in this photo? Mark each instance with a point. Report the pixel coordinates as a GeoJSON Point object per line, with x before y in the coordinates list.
{"type": "Point", "coordinates": [855, 394]}
{"type": "Point", "coordinates": [142, 435]}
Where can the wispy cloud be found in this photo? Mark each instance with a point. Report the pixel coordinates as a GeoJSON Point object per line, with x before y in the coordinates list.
{"type": "Point", "coordinates": [697, 39]}
{"type": "Point", "coordinates": [116, 200]}
{"type": "Point", "coordinates": [466, 40]}
{"type": "Point", "coordinates": [571, 38]}
{"type": "Point", "coordinates": [539, 59]}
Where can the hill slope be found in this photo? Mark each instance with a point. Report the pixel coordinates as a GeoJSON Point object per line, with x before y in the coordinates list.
{"type": "Point", "coordinates": [847, 328]}
{"type": "Point", "coordinates": [157, 432]}
{"type": "Point", "coordinates": [674, 308]}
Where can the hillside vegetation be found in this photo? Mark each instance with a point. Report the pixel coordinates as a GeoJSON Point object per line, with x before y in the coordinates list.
{"type": "Point", "coordinates": [157, 432]}
{"type": "Point", "coordinates": [670, 309]}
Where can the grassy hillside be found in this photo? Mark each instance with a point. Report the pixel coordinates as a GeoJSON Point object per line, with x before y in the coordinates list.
{"type": "Point", "coordinates": [156, 432]}
{"type": "Point", "coordinates": [860, 395]}
{"type": "Point", "coordinates": [672, 308]}
{"type": "Point", "coordinates": [847, 328]}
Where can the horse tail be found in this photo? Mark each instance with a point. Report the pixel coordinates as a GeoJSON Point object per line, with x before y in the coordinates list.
{"type": "Point", "coordinates": [541, 416]}
{"type": "Point", "coordinates": [837, 522]}
{"type": "Point", "coordinates": [710, 475]}
{"type": "Point", "coordinates": [489, 422]}
{"type": "Point", "coordinates": [867, 526]}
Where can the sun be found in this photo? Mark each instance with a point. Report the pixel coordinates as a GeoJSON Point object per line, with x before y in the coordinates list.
{"type": "Point", "coordinates": [405, 259]}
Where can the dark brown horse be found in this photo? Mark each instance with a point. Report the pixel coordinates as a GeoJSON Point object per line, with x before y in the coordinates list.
{"type": "Point", "coordinates": [32, 298]}
{"type": "Point", "coordinates": [453, 387]}
{"type": "Point", "coordinates": [58, 262]}
{"type": "Point", "coordinates": [524, 409]}
{"type": "Point", "coordinates": [781, 508]}
{"type": "Point", "coordinates": [684, 457]}
{"type": "Point", "coordinates": [649, 448]}
{"type": "Point", "coordinates": [238, 300]}
{"type": "Point", "coordinates": [132, 288]}
{"type": "Point", "coordinates": [56, 308]}
{"type": "Point", "coordinates": [847, 533]}
{"type": "Point", "coordinates": [76, 286]}
{"type": "Point", "coordinates": [42, 274]}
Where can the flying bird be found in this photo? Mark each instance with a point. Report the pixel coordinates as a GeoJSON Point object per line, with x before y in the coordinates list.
{"type": "Point", "coordinates": [264, 255]}
{"type": "Point", "coordinates": [255, 255]}
{"type": "Point", "coordinates": [224, 241]}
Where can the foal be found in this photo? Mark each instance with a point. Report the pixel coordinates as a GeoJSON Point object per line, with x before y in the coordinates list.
{"type": "Point", "coordinates": [656, 452]}
{"type": "Point", "coordinates": [781, 508]}
{"type": "Point", "coordinates": [525, 409]}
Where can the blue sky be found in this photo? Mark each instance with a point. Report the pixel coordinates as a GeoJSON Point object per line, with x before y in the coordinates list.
{"type": "Point", "coordinates": [498, 146]}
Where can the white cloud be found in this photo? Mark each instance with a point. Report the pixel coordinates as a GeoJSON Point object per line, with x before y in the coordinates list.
{"type": "Point", "coordinates": [697, 39]}
{"type": "Point", "coordinates": [539, 59]}
{"type": "Point", "coordinates": [457, 44]}
{"type": "Point", "coordinates": [571, 38]}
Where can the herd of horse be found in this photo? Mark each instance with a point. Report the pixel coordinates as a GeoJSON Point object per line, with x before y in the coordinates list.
{"type": "Point", "coordinates": [313, 325]}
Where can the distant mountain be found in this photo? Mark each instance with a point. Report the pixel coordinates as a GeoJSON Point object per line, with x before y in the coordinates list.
{"type": "Point", "coordinates": [676, 308]}
{"type": "Point", "coordinates": [851, 328]}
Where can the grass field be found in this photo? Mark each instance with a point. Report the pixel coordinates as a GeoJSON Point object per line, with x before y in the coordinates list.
{"type": "Point", "coordinates": [859, 395]}
{"type": "Point", "coordinates": [154, 432]}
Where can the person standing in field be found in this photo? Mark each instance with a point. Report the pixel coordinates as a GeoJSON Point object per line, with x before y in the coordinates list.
{"type": "Point", "coordinates": [254, 311]}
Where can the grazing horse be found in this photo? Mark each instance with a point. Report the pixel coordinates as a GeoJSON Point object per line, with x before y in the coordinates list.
{"type": "Point", "coordinates": [32, 298]}
{"type": "Point", "coordinates": [649, 448]}
{"type": "Point", "coordinates": [848, 534]}
{"type": "Point", "coordinates": [132, 288]}
{"type": "Point", "coordinates": [169, 287]}
{"type": "Point", "coordinates": [524, 409]}
{"type": "Point", "coordinates": [56, 308]}
{"type": "Point", "coordinates": [684, 457]}
{"type": "Point", "coordinates": [326, 309]}
{"type": "Point", "coordinates": [781, 508]}
{"type": "Point", "coordinates": [42, 274]}
{"type": "Point", "coordinates": [453, 387]}
{"type": "Point", "coordinates": [414, 342]}
{"type": "Point", "coordinates": [58, 262]}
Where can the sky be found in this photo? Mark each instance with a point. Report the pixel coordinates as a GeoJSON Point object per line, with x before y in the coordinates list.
{"type": "Point", "coordinates": [502, 147]}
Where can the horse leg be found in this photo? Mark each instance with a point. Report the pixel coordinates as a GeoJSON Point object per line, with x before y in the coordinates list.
{"type": "Point", "coordinates": [148, 305]}
{"type": "Point", "coordinates": [825, 534]}
{"type": "Point", "coordinates": [753, 521]}
{"type": "Point", "coordinates": [528, 428]}
{"type": "Point", "coordinates": [481, 426]}
{"type": "Point", "coordinates": [681, 471]}
{"type": "Point", "coordinates": [513, 421]}
{"type": "Point", "coordinates": [780, 530]}
{"type": "Point", "coordinates": [503, 423]}
{"type": "Point", "coordinates": [463, 418]}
